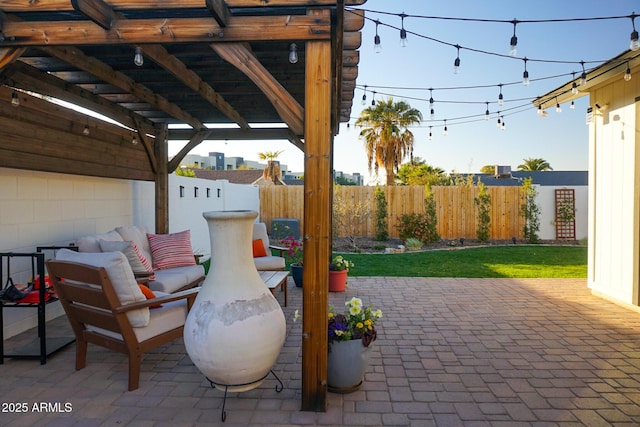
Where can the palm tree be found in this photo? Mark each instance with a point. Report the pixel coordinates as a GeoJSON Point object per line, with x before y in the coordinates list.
{"type": "Point", "coordinates": [531, 165]}
{"type": "Point", "coordinates": [387, 139]}
{"type": "Point", "coordinates": [272, 170]}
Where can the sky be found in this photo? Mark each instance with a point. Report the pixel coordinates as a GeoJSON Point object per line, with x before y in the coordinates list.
{"type": "Point", "coordinates": [554, 51]}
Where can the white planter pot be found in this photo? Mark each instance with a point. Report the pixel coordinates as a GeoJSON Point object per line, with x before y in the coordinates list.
{"type": "Point", "coordinates": [236, 328]}
{"type": "Point", "coordinates": [346, 365]}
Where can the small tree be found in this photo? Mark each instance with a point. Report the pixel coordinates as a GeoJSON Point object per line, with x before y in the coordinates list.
{"type": "Point", "coordinates": [483, 213]}
{"type": "Point", "coordinates": [382, 227]}
{"type": "Point", "coordinates": [530, 211]}
{"type": "Point", "coordinates": [348, 216]}
{"type": "Point", "coordinates": [431, 212]}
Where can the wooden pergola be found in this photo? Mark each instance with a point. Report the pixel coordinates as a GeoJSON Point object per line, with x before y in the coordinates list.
{"type": "Point", "coordinates": [204, 63]}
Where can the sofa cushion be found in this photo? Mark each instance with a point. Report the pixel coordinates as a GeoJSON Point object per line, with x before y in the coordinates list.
{"type": "Point", "coordinates": [170, 316]}
{"type": "Point", "coordinates": [258, 248]}
{"type": "Point", "coordinates": [138, 235]}
{"type": "Point", "coordinates": [269, 262]}
{"type": "Point", "coordinates": [91, 243]}
{"type": "Point", "coordinates": [173, 279]}
{"type": "Point", "coordinates": [171, 250]}
{"type": "Point", "coordinates": [121, 276]}
{"type": "Point", "coordinates": [139, 263]}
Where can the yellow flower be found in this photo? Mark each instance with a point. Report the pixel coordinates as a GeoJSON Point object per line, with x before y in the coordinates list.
{"type": "Point", "coordinates": [355, 310]}
{"type": "Point", "coordinates": [296, 316]}
{"type": "Point", "coordinates": [339, 333]}
{"type": "Point", "coordinates": [354, 302]}
{"type": "Point", "coordinates": [330, 314]}
{"type": "Point", "coordinates": [359, 325]}
{"type": "Point", "coordinates": [368, 322]}
{"type": "Point", "coordinates": [378, 313]}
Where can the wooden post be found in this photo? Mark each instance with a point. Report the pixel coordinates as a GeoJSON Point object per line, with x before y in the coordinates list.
{"type": "Point", "coordinates": [317, 225]}
{"type": "Point", "coordinates": [161, 149]}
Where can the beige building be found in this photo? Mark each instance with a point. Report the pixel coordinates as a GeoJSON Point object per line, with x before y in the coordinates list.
{"type": "Point", "coordinates": [614, 174]}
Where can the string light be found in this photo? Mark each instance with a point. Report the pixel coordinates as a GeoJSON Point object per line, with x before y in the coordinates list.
{"type": "Point", "coordinates": [499, 124]}
{"type": "Point", "coordinates": [627, 73]}
{"type": "Point", "coordinates": [134, 140]}
{"type": "Point", "coordinates": [525, 75]}
{"type": "Point", "coordinates": [138, 58]}
{"type": "Point", "coordinates": [502, 126]}
{"type": "Point", "coordinates": [513, 50]}
{"type": "Point", "coordinates": [432, 112]}
{"type": "Point", "coordinates": [456, 63]}
{"type": "Point", "coordinates": [634, 45]}
{"type": "Point", "coordinates": [430, 133]}
{"type": "Point", "coordinates": [583, 76]}
{"type": "Point", "coordinates": [293, 53]}
{"type": "Point", "coordinates": [572, 106]}
{"type": "Point", "coordinates": [15, 99]}
{"type": "Point", "coordinates": [364, 96]}
{"type": "Point", "coordinates": [377, 47]}
{"type": "Point", "coordinates": [373, 99]}
{"type": "Point", "coordinates": [500, 97]}
{"type": "Point", "coordinates": [486, 113]}
{"type": "Point", "coordinates": [540, 109]}
{"type": "Point", "coordinates": [403, 32]}
{"type": "Point", "coordinates": [445, 130]}
{"type": "Point", "coordinates": [558, 109]}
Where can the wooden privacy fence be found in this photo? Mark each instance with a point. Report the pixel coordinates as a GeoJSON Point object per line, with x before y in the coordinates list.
{"type": "Point", "coordinates": [456, 210]}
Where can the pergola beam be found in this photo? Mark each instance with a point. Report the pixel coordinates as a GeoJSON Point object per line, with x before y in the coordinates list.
{"type": "Point", "coordinates": [96, 10]}
{"type": "Point", "coordinates": [289, 110]}
{"type": "Point", "coordinates": [166, 30]}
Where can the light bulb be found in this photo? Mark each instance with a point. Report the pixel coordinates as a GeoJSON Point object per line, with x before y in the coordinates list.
{"type": "Point", "coordinates": [558, 109]}
{"type": "Point", "coordinates": [634, 45]}
{"type": "Point", "coordinates": [403, 38]}
{"type": "Point", "coordinates": [445, 131]}
{"type": "Point", "coordinates": [377, 47]}
{"type": "Point", "coordinates": [456, 66]}
{"type": "Point", "coordinates": [627, 74]}
{"type": "Point", "coordinates": [134, 140]}
{"type": "Point", "coordinates": [432, 115]}
{"type": "Point", "coordinates": [499, 124]}
{"type": "Point", "coordinates": [431, 102]}
{"type": "Point", "coordinates": [513, 49]}
{"type": "Point", "coordinates": [15, 100]}
{"type": "Point", "coordinates": [293, 53]}
{"type": "Point", "coordinates": [86, 130]}
{"type": "Point", "coordinates": [525, 78]}
{"type": "Point", "coordinates": [138, 59]}
{"type": "Point", "coordinates": [572, 106]}
{"type": "Point", "coordinates": [364, 97]}
{"type": "Point", "coordinates": [430, 134]}
{"type": "Point", "coordinates": [539, 110]}
{"type": "Point", "coordinates": [583, 78]}
{"type": "Point", "coordinates": [574, 88]}
{"type": "Point", "coordinates": [502, 126]}
{"type": "Point", "coordinates": [486, 113]}
{"type": "Point", "coordinates": [500, 99]}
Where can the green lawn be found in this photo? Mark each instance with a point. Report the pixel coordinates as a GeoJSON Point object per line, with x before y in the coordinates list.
{"type": "Point", "coordinates": [494, 261]}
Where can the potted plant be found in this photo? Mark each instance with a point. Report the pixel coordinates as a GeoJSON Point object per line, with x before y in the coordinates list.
{"type": "Point", "coordinates": [338, 271]}
{"type": "Point", "coordinates": [294, 256]}
{"type": "Point", "coordinates": [350, 340]}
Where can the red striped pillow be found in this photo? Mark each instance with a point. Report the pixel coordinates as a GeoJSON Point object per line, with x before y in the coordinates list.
{"type": "Point", "coordinates": [171, 250]}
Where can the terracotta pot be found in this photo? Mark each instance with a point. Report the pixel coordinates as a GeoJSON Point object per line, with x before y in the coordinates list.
{"type": "Point", "coordinates": [296, 273]}
{"type": "Point", "coordinates": [236, 328]}
{"type": "Point", "coordinates": [346, 365]}
{"type": "Point", "coordinates": [338, 280]}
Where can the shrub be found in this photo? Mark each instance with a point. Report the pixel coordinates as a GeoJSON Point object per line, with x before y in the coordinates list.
{"type": "Point", "coordinates": [382, 228]}
{"type": "Point", "coordinates": [413, 244]}
{"type": "Point", "coordinates": [530, 211]}
{"type": "Point", "coordinates": [483, 213]}
{"type": "Point", "coordinates": [420, 226]}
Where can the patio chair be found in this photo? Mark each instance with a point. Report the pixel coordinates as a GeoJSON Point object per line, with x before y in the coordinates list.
{"type": "Point", "coordinates": [106, 307]}
{"type": "Point", "coordinates": [267, 261]}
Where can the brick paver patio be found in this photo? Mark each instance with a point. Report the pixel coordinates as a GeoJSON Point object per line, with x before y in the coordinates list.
{"type": "Point", "coordinates": [450, 352]}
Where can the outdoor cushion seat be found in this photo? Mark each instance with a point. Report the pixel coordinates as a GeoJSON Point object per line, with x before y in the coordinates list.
{"type": "Point", "coordinates": [107, 307]}
{"type": "Point", "coordinates": [269, 262]}
{"type": "Point", "coordinates": [170, 279]}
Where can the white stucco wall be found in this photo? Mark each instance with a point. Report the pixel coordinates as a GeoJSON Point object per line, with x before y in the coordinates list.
{"type": "Point", "coordinates": [614, 193]}
{"type": "Point", "coordinates": [546, 201]}
{"type": "Point", "coordinates": [40, 209]}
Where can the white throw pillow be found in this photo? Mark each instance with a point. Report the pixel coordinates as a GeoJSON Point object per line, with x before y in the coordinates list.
{"type": "Point", "coordinates": [139, 264]}
{"type": "Point", "coordinates": [121, 276]}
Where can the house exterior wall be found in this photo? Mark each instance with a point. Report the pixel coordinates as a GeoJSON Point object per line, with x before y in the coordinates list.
{"type": "Point", "coordinates": [41, 209]}
{"type": "Point", "coordinates": [614, 187]}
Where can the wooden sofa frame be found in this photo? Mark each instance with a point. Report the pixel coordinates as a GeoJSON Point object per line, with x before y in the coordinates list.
{"type": "Point", "coordinates": [99, 306]}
